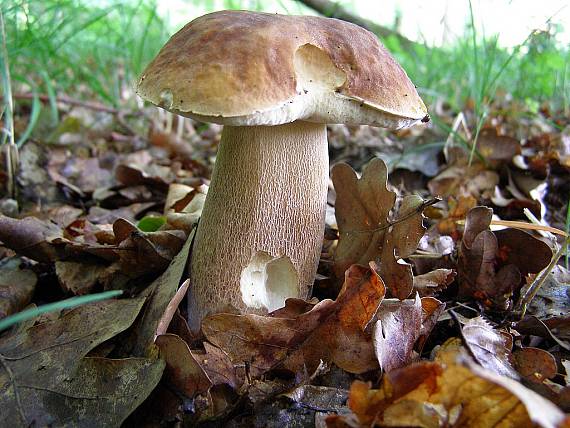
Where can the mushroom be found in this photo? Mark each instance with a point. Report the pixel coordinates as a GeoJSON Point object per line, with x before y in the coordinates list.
{"type": "Point", "coordinates": [274, 82]}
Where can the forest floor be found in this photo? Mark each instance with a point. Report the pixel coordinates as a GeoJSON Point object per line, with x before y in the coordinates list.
{"type": "Point", "coordinates": [461, 319]}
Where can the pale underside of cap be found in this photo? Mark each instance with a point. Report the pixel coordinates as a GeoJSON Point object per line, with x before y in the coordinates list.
{"type": "Point", "coordinates": [248, 68]}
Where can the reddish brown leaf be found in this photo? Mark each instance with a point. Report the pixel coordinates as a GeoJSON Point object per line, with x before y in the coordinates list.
{"type": "Point", "coordinates": [333, 331]}
{"type": "Point", "coordinates": [218, 366]}
{"type": "Point", "coordinates": [182, 371]}
{"type": "Point", "coordinates": [491, 270]}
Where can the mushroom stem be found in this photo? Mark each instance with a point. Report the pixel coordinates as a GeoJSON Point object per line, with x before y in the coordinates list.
{"type": "Point", "coordinates": [268, 194]}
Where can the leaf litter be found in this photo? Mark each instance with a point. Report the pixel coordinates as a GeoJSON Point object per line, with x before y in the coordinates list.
{"type": "Point", "coordinates": [391, 337]}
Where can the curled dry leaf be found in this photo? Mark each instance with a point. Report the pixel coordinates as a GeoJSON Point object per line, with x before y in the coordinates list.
{"type": "Point", "coordinates": [400, 324]}
{"type": "Point", "coordinates": [464, 181]}
{"type": "Point", "coordinates": [131, 175]}
{"type": "Point", "coordinates": [32, 238]}
{"type": "Point", "coordinates": [491, 266]}
{"type": "Point", "coordinates": [433, 282]}
{"type": "Point", "coordinates": [452, 391]}
{"type": "Point", "coordinates": [136, 254]}
{"type": "Point", "coordinates": [182, 371]}
{"type": "Point", "coordinates": [531, 325]}
{"type": "Point", "coordinates": [140, 253]}
{"type": "Point", "coordinates": [488, 347]}
{"type": "Point", "coordinates": [183, 206]}
{"type": "Point", "coordinates": [365, 231]}
{"type": "Point", "coordinates": [333, 331]}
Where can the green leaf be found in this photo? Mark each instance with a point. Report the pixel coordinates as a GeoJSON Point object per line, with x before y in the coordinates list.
{"type": "Point", "coordinates": [151, 223]}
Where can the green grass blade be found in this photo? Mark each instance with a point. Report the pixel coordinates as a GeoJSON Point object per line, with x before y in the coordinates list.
{"type": "Point", "coordinates": [6, 85]}
{"type": "Point", "coordinates": [72, 302]}
{"type": "Point", "coordinates": [568, 232]}
{"type": "Point", "coordinates": [34, 116]}
{"type": "Point", "coordinates": [50, 90]}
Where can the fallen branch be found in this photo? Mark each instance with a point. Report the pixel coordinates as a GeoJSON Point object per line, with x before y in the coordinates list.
{"type": "Point", "coordinates": [334, 10]}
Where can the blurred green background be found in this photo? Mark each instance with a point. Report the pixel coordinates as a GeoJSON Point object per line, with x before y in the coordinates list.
{"type": "Point", "coordinates": [96, 49]}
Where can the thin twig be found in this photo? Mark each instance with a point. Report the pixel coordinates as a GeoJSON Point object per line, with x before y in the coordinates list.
{"type": "Point", "coordinates": [523, 225]}
{"type": "Point", "coordinates": [527, 297]}
{"type": "Point", "coordinates": [75, 102]}
{"type": "Point", "coordinates": [15, 388]}
{"type": "Point", "coordinates": [418, 210]}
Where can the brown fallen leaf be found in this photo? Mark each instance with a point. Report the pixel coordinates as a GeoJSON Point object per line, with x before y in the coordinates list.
{"type": "Point", "coordinates": [534, 364]}
{"type": "Point", "coordinates": [78, 278]}
{"type": "Point", "coordinates": [546, 329]}
{"type": "Point", "coordinates": [141, 253]}
{"type": "Point", "coordinates": [333, 331]}
{"type": "Point", "coordinates": [17, 286]}
{"type": "Point", "coordinates": [488, 347]}
{"type": "Point", "coordinates": [453, 391]}
{"type": "Point", "coordinates": [31, 237]}
{"type": "Point", "coordinates": [131, 175]}
{"type": "Point", "coordinates": [182, 371]}
{"type": "Point", "coordinates": [497, 148]}
{"type": "Point", "coordinates": [433, 282]}
{"type": "Point", "coordinates": [46, 379]}
{"type": "Point", "coordinates": [136, 253]}
{"type": "Point", "coordinates": [464, 181]}
{"type": "Point", "coordinates": [218, 366]}
{"type": "Point", "coordinates": [365, 231]}
{"type": "Point", "coordinates": [490, 270]}
{"type": "Point", "coordinates": [400, 324]}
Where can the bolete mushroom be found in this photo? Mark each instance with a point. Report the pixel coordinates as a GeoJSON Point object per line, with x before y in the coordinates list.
{"type": "Point", "coordinates": [273, 81]}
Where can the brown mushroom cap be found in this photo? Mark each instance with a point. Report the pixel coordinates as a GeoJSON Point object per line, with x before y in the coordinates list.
{"type": "Point", "coordinates": [249, 68]}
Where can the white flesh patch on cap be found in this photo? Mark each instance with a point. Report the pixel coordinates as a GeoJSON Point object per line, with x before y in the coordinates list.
{"type": "Point", "coordinates": [267, 281]}
{"type": "Point", "coordinates": [317, 100]}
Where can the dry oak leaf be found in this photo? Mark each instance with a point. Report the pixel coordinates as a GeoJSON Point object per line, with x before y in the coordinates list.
{"type": "Point", "coordinates": [332, 331]}
{"type": "Point", "coordinates": [453, 392]}
{"type": "Point", "coordinates": [366, 233]}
